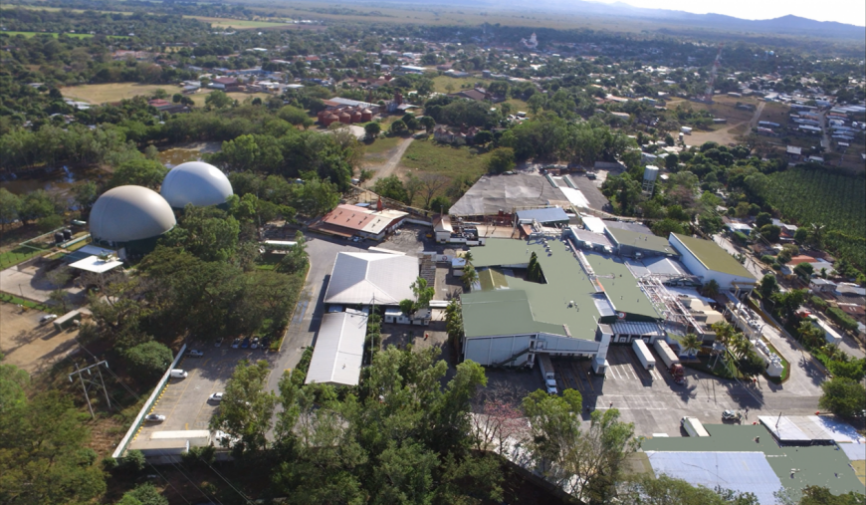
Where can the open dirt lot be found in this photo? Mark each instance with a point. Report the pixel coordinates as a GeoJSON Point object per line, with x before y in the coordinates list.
{"type": "Point", "coordinates": [27, 344]}
{"type": "Point", "coordinates": [114, 92]}
{"type": "Point", "coordinates": [30, 282]}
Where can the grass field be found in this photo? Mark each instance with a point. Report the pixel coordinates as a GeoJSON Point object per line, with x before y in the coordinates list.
{"type": "Point", "coordinates": [238, 24]}
{"type": "Point", "coordinates": [114, 92]}
{"type": "Point", "coordinates": [440, 83]}
{"type": "Point", "coordinates": [380, 147]}
{"type": "Point", "coordinates": [429, 157]}
{"type": "Point", "coordinates": [56, 9]}
{"type": "Point", "coordinates": [55, 35]}
{"type": "Point", "coordinates": [775, 112]}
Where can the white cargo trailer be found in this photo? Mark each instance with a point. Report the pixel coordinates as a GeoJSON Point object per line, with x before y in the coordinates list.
{"type": "Point", "coordinates": [667, 355]}
{"type": "Point", "coordinates": [547, 372]}
{"type": "Point", "coordinates": [694, 427]}
{"type": "Point", "coordinates": [643, 354]}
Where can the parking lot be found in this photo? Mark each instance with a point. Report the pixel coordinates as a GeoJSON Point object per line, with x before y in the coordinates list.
{"type": "Point", "coordinates": [184, 402]}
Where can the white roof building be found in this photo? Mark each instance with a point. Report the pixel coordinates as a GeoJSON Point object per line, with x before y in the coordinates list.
{"type": "Point", "coordinates": [339, 349]}
{"type": "Point", "coordinates": [371, 279]}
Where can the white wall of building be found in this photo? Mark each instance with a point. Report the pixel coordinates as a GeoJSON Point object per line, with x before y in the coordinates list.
{"type": "Point", "coordinates": [698, 269]}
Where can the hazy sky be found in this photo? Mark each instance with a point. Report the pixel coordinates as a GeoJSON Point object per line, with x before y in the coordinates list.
{"type": "Point", "coordinates": [851, 12]}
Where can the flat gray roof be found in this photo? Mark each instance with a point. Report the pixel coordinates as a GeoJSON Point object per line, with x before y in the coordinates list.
{"type": "Point", "coordinates": [494, 193]}
{"type": "Point", "coordinates": [639, 240]}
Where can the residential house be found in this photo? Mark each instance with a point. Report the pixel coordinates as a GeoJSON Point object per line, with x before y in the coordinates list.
{"type": "Point", "coordinates": [227, 84]}
{"type": "Point", "coordinates": [465, 135]}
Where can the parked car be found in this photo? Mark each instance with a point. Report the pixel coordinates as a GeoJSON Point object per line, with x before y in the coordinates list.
{"type": "Point", "coordinates": [254, 343]}
{"type": "Point", "coordinates": [154, 418]}
{"type": "Point", "coordinates": [218, 343]}
{"type": "Point", "coordinates": [356, 239]}
{"type": "Point", "coordinates": [47, 317]}
{"type": "Point", "coordinates": [216, 397]}
{"type": "Point", "coordinates": [731, 415]}
{"type": "Point", "coordinates": [236, 343]}
{"type": "Point", "coordinates": [177, 373]}
{"type": "Point", "coordinates": [245, 343]}
{"type": "Point", "coordinates": [195, 353]}
{"type": "Point", "coordinates": [266, 343]}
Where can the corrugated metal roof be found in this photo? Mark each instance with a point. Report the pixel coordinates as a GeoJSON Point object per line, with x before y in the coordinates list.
{"type": "Point", "coordinates": [746, 472]}
{"type": "Point", "coordinates": [371, 279]}
{"type": "Point", "coordinates": [339, 349]}
{"type": "Point", "coordinates": [636, 328]}
{"type": "Point", "coordinates": [641, 241]}
{"type": "Point", "coordinates": [548, 215]}
{"type": "Point", "coordinates": [712, 256]}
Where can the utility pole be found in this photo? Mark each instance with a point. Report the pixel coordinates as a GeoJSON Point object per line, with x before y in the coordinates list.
{"type": "Point", "coordinates": [80, 373]}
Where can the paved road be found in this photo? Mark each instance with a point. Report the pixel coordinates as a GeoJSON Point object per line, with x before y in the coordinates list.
{"type": "Point", "coordinates": [308, 312]}
{"type": "Point", "coordinates": [387, 169]}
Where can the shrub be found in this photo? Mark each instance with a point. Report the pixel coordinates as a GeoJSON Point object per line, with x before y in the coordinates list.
{"type": "Point", "coordinates": [843, 319]}
{"type": "Point", "coordinates": [768, 259]}
{"type": "Point", "coordinates": [843, 397]}
{"type": "Point", "coordinates": [134, 461]}
{"type": "Point", "coordinates": [299, 375]}
{"type": "Point", "coordinates": [818, 302]}
{"type": "Point", "coordinates": [751, 364]}
{"type": "Point", "coordinates": [109, 464]}
{"type": "Point", "coordinates": [147, 494]}
{"type": "Point", "coordinates": [149, 359]}
{"type": "Point", "coordinates": [854, 369]}
{"type": "Point", "coordinates": [740, 238]}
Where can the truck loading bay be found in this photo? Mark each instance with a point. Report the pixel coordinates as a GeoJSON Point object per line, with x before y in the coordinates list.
{"type": "Point", "coordinates": [655, 403]}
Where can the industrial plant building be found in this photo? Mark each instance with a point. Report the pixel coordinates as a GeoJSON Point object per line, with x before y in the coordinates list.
{"type": "Point", "coordinates": [597, 287]}
{"type": "Point", "coordinates": [365, 278]}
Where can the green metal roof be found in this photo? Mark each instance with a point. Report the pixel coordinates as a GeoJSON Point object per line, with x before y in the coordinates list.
{"type": "Point", "coordinates": [491, 279]}
{"type": "Point", "coordinates": [642, 241]}
{"type": "Point", "coordinates": [816, 465]}
{"type": "Point", "coordinates": [622, 289]}
{"type": "Point", "coordinates": [503, 312]}
{"type": "Point", "coordinates": [713, 256]}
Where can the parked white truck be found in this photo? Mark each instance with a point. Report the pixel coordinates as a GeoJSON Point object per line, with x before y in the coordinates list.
{"type": "Point", "coordinates": [693, 427]}
{"type": "Point", "coordinates": [547, 372]}
{"type": "Point", "coordinates": [643, 354]}
{"type": "Point", "coordinates": [672, 362]}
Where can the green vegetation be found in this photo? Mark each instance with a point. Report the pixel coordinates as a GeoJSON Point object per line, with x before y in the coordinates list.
{"type": "Point", "coordinates": [843, 397]}
{"type": "Point", "coordinates": [458, 165]}
{"type": "Point", "coordinates": [818, 196]}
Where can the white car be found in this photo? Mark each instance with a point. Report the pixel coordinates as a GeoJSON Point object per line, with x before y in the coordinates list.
{"type": "Point", "coordinates": [216, 397]}
{"type": "Point", "coordinates": [195, 353]}
{"type": "Point", "coordinates": [154, 418]}
{"type": "Point", "coordinates": [177, 373]}
{"type": "Point", "coordinates": [356, 239]}
{"type": "Point", "coordinates": [47, 317]}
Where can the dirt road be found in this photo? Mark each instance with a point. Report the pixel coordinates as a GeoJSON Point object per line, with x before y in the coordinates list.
{"type": "Point", "coordinates": [753, 124]}
{"type": "Point", "coordinates": [387, 169]}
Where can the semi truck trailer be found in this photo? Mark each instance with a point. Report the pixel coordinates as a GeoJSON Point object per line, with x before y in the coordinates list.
{"type": "Point", "coordinates": [672, 363]}
{"type": "Point", "coordinates": [547, 372]}
{"type": "Point", "coordinates": [694, 427]}
{"type": "Point", "coordinates": [643, 354]}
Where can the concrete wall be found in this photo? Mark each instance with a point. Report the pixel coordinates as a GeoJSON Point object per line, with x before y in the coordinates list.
{"type": "Point", "coordinates": [493, 350]}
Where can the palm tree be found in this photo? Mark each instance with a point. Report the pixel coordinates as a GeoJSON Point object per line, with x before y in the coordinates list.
{"type": "Point", "coordinates": [711, 288]}
{"type": "Point", "coordinates": [816, 235]}
{"type": "Point", "coordinates": [470, 276]}
{"type": "Point", "coordinates": [740, 345]}
{"type": "Point", "coordinates": [691, 343]}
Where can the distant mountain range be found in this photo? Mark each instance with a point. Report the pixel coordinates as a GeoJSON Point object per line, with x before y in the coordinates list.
{"type": "Point", "coordinates": [785, 25]}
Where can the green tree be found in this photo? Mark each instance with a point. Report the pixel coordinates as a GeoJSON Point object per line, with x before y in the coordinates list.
{"type": "Point", "coordinates": [246, 408]}
{"type": "Point", "coordinates": [391, 187]}
{"type": "Point", "coordinates": [36, 205]}
{"type": "Point", "coordinates": [148, 360]}
{"type": "Point", "coordinates": [297, 259]}
{"type": "Point", "coordinates": [763, 219]}
{"type": "Point", "coordinates": [711, 288]}
{"type": "Point", "coordinates": [314, 197]}
{"type": "Point", "coordinates": [691, 344]}
{"type": "Point", "coordinates": [138, 172]}
{"type": "Point", "coordinates": [804, 271]}
{"type": "Point", "coordinates": [43, 442]}
{"type": "Point", "coordinates": [469, 277]}
{"type": "Point", "coordinates": [399, 127]}
{"type": "Point", "coordinates": [9, 205]}
{"type": "Point", "coordinates": [817, 495]}
{"type": "Point", "coordinates": [218, 100]}
{"type": "Point", "coordinates": [144, 494]}
{"type": "Point", "coordinates": [423, 293]}
{"type": "Point", "coordinates": [843, 397]}
{"type": "Point", "coordinates": [771, 232]}
{"type": "Point", "coordinates": [646, 489]}
{"type": "Point", "coordinates": [205, 232]}
{"type": "Point", "coordinates": [372, 130]}
{"type": "Point", "coordinates": [428, 123]}
{"type": "Point", "coordinates": [816, 235]}
{"type": "Point", "coordinates": [85, 195]}
{"type": "Point", "coordinates": [790, 301]}
{"type": "Point", "coordinates": [801, 235]}
{"type": "Point", "coordinates": [295, 116]}
{"type": "Point", "coordinates": [666, 226]}
{"type": "Point", "coordinates": [533, 269]}
{"type": "Point", "coordinates": [501, 160]}
{"type": "Point", "coordinates": [768, 286]}
{"type": "Point", "coordinates": [440, 204]}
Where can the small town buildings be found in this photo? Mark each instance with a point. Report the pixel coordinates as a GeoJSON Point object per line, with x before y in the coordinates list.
{"type": "Point", "coordinates": [339, 350]}
{"type": "Point", "coordinates": [227, 84]}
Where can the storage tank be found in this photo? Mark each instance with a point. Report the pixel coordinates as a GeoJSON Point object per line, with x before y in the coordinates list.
{"type": "Point", "coordinates": [356, 116]}
{"type": "Point", "coordinates": [345, 118]}
{"type": "Point", "coordinates": [366, 115]}
{"type": "Point", "coordinates": [650, 173]}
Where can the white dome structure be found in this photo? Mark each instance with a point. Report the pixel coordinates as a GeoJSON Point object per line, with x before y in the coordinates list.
{"type": "Point", "coordinates": [129, 213]}
{"type": "Point", "coordinates": [196, 182]}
